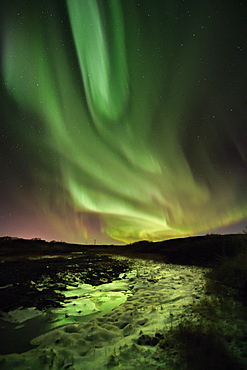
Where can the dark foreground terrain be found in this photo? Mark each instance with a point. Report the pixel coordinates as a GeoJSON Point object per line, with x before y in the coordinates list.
{"type": "Point", "coordinates": [33, 271]}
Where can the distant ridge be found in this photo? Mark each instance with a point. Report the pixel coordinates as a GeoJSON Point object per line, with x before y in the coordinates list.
{"type": "Point", "coordinates": [194, 250]}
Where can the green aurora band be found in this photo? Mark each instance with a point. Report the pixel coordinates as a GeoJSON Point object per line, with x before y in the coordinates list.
{"type": "Point", "coordinates": [130, 131]}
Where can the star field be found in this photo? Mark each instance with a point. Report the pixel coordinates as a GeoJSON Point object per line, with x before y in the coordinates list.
{"type": "Point", "coordinates": [123, 120]}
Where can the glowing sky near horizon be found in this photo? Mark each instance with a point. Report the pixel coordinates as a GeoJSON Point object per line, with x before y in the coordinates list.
{"type": "Point", "coordinates": [123, 120]}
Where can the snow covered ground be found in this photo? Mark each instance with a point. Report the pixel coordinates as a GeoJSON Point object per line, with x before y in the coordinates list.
{"type": "Point", "coordinates": [111, 326]}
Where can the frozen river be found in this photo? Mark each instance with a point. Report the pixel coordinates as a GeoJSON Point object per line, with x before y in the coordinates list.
{"type": "Point", "coordinates": [108, 324]}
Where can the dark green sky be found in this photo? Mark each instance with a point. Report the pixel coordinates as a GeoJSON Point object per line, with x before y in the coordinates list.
{"type": "Point", "coordinates": [123, 120]}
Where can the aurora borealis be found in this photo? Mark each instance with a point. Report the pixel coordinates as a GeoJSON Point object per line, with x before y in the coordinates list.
{"type": "Point", "coordinates": [123, 120]}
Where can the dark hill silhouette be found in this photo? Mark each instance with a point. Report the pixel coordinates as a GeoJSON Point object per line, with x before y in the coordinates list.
{"type": "Point", "coordinates": [195, 250]}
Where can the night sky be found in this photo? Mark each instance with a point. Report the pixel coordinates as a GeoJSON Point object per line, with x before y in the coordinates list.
{"type": "Point", "coordinates": [123, 120]}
